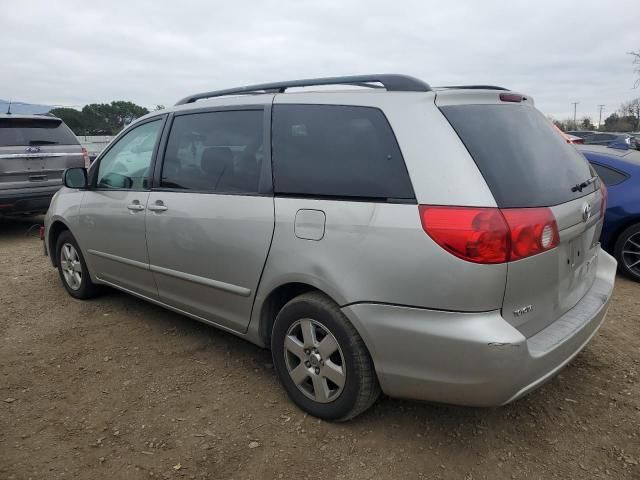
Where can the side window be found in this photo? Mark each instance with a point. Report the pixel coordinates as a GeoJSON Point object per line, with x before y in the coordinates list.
{"type": "Point", "coordinates": [128, 163]}
{"type": "Point", "coordinates": [215, 152]}
{"type": "Point", "coordinates": [608, 175]}
{"type": "Point", "coordinates": [334, 150]}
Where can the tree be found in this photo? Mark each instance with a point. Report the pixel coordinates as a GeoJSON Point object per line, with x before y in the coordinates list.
{"type": "Point", "coordinates": [619, 123]}
{"type": "Point", "coordinates": [636, 64]}
{"type": "Point", "coordinates": [100, 118]}
{"type": "Point", "coordinates": [632, 109]}
{"type": "Point", "coordinates": [72, 117]}
{"type": "Point", "coordinates": [586, 124]}
{"type": "Point", "coordinates": [159, 107]}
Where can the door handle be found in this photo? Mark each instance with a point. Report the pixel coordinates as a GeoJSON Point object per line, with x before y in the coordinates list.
{"type": "Point", "coordinates": [159, 206]}
{"type": "Point", "coordinates": [135, 206]}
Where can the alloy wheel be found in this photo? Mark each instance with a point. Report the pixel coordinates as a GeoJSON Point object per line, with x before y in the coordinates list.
{"type": "Point", "coordinates": [71, 266]}
{"type": "Point", "coordinates": [314, 360]}
{"type": "Point", "coordinates": [631, 254]}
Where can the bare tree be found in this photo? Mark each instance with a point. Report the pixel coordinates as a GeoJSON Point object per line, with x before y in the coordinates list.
{"type": "Point", "coordinates": [636, 65]}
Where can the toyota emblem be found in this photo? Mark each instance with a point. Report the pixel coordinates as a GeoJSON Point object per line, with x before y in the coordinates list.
{"type": "Point", "coordinates": [586, 212]}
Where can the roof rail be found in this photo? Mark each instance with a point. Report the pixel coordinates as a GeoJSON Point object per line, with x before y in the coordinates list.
{"type": "Point", "coordinates": [473, 87]}
{"type": "Point", "coordinates": [391, 82]}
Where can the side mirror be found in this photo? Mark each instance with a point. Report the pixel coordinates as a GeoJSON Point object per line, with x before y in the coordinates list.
{"type": "Point", "coordinates": [75, 177]}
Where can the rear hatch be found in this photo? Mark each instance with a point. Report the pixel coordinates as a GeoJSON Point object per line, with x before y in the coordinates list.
{"type": "Point", "coordinates": [35, 150]}
{"type": "Point", "coordinates": [527, 165]}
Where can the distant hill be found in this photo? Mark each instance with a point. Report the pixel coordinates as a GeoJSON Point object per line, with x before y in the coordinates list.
{"type": "Point", "coordinates": [22, 107]}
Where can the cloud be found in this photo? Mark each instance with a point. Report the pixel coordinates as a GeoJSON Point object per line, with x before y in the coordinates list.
{"type": "Point", "coordinates": [150, 52]}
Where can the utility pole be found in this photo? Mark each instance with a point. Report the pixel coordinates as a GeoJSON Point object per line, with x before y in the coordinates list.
{"type": "Point", "coordinates": [575, 124]}
{"type": "Point", "coordinates": [601, 107]}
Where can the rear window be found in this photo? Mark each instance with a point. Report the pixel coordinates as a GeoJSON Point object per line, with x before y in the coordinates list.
{"type": "Point", "coordinates": [523, 160]}
{"type": "Point", "coordinates": [337, 151]}
{"type": "Point", "coordinates": [30, 131]}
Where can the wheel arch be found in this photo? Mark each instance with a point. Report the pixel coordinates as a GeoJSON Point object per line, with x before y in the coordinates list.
{"type": "Point", "coordinates": [273, 303]}
{"type": "Point", "coordinates": [627, 223]}
{"type": "Point", "coordinates": [56, 228]}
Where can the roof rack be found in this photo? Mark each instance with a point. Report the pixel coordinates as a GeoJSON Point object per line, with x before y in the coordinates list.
{"type": "Point", "coordinates": [391, 82]}
{"type": "Point", "coordinates": [473, 87]}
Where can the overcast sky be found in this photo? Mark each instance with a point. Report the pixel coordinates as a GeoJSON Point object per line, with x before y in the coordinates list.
{"type": "Point", "coordinates": [153, 52]}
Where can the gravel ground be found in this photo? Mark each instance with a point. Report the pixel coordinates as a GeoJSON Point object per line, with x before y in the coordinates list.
{"type": "Point", "coordinates": [118, 388]}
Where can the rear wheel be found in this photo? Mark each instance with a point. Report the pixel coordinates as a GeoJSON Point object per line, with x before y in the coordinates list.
{"type": "Point", "coordinates": [73, 269]}
{"type": "Point", "coordinates": [321, 360]}
{"type": "Point", "coordinates": [627, 252]}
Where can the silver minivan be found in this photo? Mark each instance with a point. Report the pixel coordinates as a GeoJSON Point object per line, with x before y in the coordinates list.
{"type": "Point", "coordinates": [432, 243]}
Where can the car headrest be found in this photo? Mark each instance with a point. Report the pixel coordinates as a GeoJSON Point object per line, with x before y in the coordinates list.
{"type": "Point", "coordinates": [215, 160]}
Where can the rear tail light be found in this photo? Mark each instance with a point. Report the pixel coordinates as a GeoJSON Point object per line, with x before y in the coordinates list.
{"type": "Point", "coordinates": [86, 158]}
{"type": "Point", "coordinates": [604, 198]}
{"type": "Point", "coordinates": [533, 231]}
{"type": "Point", "coordinates": [490, 235]}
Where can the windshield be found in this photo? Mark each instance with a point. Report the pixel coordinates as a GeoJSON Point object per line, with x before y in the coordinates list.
{"type": "Point", "coordinates": [524, 162]}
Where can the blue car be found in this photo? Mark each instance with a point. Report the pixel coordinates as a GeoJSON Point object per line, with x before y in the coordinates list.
{"type": "Point", "coordinates": [619, 169]}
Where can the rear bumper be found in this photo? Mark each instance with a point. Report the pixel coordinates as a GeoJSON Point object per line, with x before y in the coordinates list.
{"type": "Point", "coordinates": [475, 359]}
{"type": "Point", "coordinates": [27, 200]}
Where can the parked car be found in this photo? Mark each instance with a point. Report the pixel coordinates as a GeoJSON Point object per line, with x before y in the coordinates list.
{"type": "Point", "coordinates": [34, 151]}
{"type": "Point", "coordinates": [599, 138]}
{"type": "Point", "coordinates": [390, 238]}
{"type": "Point", "coordinates": [581, 133]}
{"type": "Point", "coordinates": [619, 169]}
{"type": "Point", "coordinates": [567, 137]}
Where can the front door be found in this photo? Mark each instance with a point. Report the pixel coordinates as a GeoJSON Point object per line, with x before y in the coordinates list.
{"type": "Point", "coordinates": [112, 214]}
{"type": "Point", "coordinates": [210, 221]}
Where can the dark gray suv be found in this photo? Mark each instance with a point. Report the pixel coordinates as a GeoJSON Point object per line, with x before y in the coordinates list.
{"type": "Point", "coordinates": [34, 151]}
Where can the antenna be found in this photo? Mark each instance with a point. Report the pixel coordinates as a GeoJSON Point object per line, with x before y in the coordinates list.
{"type": "Point", "coordinates": [9, 108]}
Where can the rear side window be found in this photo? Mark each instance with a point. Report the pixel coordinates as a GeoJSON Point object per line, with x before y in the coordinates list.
{"type": "Point", "coordinates": [523, 160]}
{"type": "Point", "coordinates": [215, 152]}
{"type": "Point", "coordinates": [608, 175]}
{"type": "Point", "coordinates": [337, 151]}
{"type": "Point", "coordinates": [30, 132]}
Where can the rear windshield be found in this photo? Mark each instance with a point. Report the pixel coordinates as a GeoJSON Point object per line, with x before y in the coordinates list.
{"type": "Point", "coordinates": [30, 131]}
{"type": "Point", "coordinates": [523, 160]}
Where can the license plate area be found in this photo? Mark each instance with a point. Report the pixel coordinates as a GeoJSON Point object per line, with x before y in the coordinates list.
{"type": "Point", "coordinates": [582, 253]}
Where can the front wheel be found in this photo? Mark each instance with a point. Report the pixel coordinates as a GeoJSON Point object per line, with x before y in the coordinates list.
{"type": "Point", "coordinates": [627, 252]}
{"type": "Point", "coordinates": [73, 269]}
{"type": "Point", "coordinates": [321, 360]}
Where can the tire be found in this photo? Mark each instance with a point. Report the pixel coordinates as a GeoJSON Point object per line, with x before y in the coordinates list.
{"type": "Point", "coordinates": [73, 268]}
{"type": "Point", "coordinates": [627, 244]}
{"type": "Point", "coordinates": [313, 342]}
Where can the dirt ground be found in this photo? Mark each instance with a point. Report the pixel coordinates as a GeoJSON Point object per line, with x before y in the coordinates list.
{"type": "Point", "coordinates": [118, 388]}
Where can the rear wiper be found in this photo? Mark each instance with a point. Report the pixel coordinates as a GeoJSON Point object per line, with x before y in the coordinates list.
{"type": "Point", "coordinates": [585, 184]}
{"type": "Point", "coordinates": [42, 142]}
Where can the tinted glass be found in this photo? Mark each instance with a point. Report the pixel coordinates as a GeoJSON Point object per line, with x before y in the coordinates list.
{"type": "Point", "coordinates": [608, 175]}
{"type": "Point", "coordinates": [27, 131]}
{"type": "Point", "coordinates": [603, 137]}
{"type": "Point", "coordinates": [340, 151]}
{"type": "Point", "coordinates": [128, 163]}
{"type": "Point", "coordinates": [523, 160]}
{"type": "Point", "coordinates": [215, 152]}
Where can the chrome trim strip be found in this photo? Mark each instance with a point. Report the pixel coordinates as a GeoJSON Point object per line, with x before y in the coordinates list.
{"type": "Point", "coordinates": [39, 155]}
{"type": "Point", "coordinates": [227, 287]}
{"type": "Point", "coordinates": [115, 258]}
